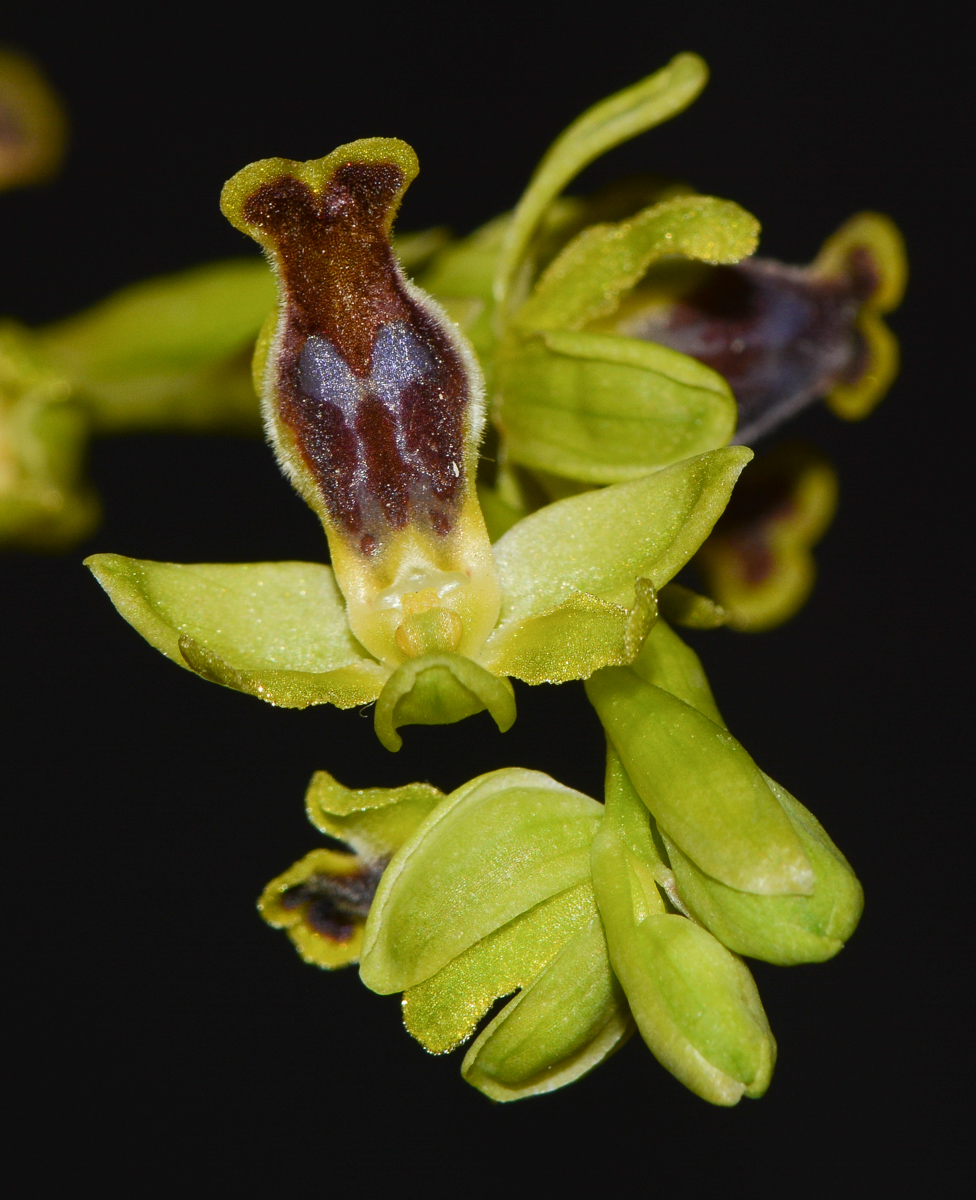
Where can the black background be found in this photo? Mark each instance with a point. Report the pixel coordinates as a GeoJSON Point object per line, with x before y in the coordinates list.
{"type": "Point", "coordinates": [166, 1034]}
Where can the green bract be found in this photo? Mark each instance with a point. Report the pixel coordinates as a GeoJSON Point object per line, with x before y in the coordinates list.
{"type": "Point", "coordinates": [571, 602]}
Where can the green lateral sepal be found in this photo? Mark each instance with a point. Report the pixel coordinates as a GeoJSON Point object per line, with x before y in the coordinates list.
{"type": "Point", "coordinates": [438, 689]}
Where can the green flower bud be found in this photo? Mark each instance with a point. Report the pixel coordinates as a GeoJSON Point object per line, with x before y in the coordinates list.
{"type": "Point", "coordinates": [701, 786]}
{"type": "Point", "coordinates": [490, 896]}
{"type": "Point", "coordinates": [695, 1004]}
{"type": "Point", "coordinates": [757, 561]}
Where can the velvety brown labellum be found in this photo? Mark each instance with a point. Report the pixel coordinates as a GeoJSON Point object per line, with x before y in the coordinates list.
{"type": "Point", "coordinates": [335, 904]}
{"type": "Point", "coordinates": [371, 385]}
{"type": "Point", "coordinates": [780, 335]}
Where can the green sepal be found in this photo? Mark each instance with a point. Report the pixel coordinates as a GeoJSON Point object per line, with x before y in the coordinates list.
{"type": "Point", "coordinates": [601, 408]}
{"type": "Point", "coordinates": [439, 689]}
{"type": "Point", "coordinates": [682, 606]}
{"type": "Point", "coordinates": [701, 786]}
{"type": "Point", "coordinates": [605, 125]}
{"type": "Point", "coordinates": [375, 822]}
{"type": "Point", "coordinates": [695, 1004]}
{"type": "Point", "coordinates": [602, 542]}
{"type": "Point", "coordinates": [779, 929]}
{"type": "Point", "coordinates": [585, 281]}
{"type": "Point", "coordinates": [575, 638]}
{"type": "Point", "coordinates": [444, 1010]}
{"type": "Point", "coordinates": [557, 1029]}
{"type": "Point", "coordinates": [455, 881]}
{"type": "Point", "coordinates": [274, 630]}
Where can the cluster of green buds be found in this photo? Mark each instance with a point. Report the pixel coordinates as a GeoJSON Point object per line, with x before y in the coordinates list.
{"type": "Point", "coordinates": [611, 348]}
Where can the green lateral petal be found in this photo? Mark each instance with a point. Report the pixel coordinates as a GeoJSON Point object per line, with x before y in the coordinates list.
{"type": "Point", "coordinates": [574, 639]}
{"type": "Point", "coordinates": [668, 663]}
{"type": "Point", "coordinates": [276, 630]}
{"type": "Point", "coordinates": [684, 607]}
{"type": "Point", "coordinates": [779, 929]}
{"type": "Point", "coordinates": [170, 352]}
{"type": "Point", "coordinates": [444, 1010]}
{"type": "Point", "coordinates": [562, 1026]}
{"type": "Point", "coordinates": [606, 409]}
{"type": "Point", "coordinates": [695, 1005]}
{"type": "Point", "coordinates": [374, 821]}
{"type": "Point", "coordinates": [439, 689]}
{"type": "Point", "coordinates": [701, 786]}
{"type": "Point", "coordinates": [605, 125]}
{"type": "Point", "coordinates": [587, 279]}
{"type": "Point", "coordinates": [601, 542]}
{"type": "Point", "coordinates": [495, 848]}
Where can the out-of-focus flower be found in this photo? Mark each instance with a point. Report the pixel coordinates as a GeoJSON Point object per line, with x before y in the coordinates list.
{"type": "Point", "coordinates": [32, 125]}
{"type": "Point", "coordinates": [373, 401]}
{"type": "Point", "coordinates": [757, 561]}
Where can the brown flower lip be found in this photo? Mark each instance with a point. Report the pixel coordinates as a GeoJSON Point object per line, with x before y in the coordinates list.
{"type": "Point", "coordinates": [366, 380]}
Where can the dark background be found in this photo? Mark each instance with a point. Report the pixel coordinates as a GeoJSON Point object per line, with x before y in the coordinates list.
{"type": "Point", "coordinates": [166, 1033]}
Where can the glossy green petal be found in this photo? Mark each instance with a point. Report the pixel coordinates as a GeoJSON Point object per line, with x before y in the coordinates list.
{"type": "Point", "coordinates": [701, 786]}
{"type": "Point", "coordinates": [601, 542]}
{"type": "Point", "coordinates": [439, 689]}
{"type": "Point", "coordinates": [586, 280]}
{"type": "Point", "coordinates": [575, 638]}
{"type": "Point", "coordinates": [600, 408]}
{"type": "Point", "coordinates": [444, 1010]}
{"type": "Point", "coordinates": [173, 352]}
{"type": "Point", "coordinates": [375, 822]}
{"type": "Point", "coordinates": [495, 848]}
{"type": "Point", "coordinates": [779, 929]}
{"type": "Point", "coordinates": [605, 125]}
{"type": "Point", "coordinates": [557, 1029]}
{"type": "Point", "coordinates": [275, 630]}
{"type": "Point", "coordinates": [695, 1004]}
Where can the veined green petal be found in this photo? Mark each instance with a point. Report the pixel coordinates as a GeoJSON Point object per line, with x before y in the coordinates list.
{"type": "Point", "coordinates": [574, 639]}
{"type": "Point", "coordinates": [587, 279]}
{"type": "Point", "coordinates": [444, 1010]}
{"type": "Point", "coordinates": [557, 1029]}
{"type": "Point", "coordinates": [439, 689]}
{"type": "Point", "coordinates": [495, 848]}
{"type": "Point", "coordinates": [779, 929]}
{"type": "Point", "coordinates": [374, 821]}
{"type": "Point", "coordinates": [601, 542]}
{"type": "Point", "coordinates": [701, 786]}
{"type": "Point", "coordinates": [605, 125]}
{"type": "Point", "coordinates": [276, 630]}
{"type": "Point", "coordinates": [601, 408]}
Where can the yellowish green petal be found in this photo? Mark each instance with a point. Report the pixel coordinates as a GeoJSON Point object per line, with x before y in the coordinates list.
{"type": "Point", "coordinates": [276, 630]}
{"type": "Point", "coordinates": [375, 822]}
{"type": "Point", "coordinates": [585, 282]}
{"type": "Point", "coordinates": [444, 1010]}
{"type": "Point", "coordinates": [605, 125]}
{"type": "Point", "coordinates": [555, 1030]}
{"type": "Point", "coordinates": [497, 847]}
